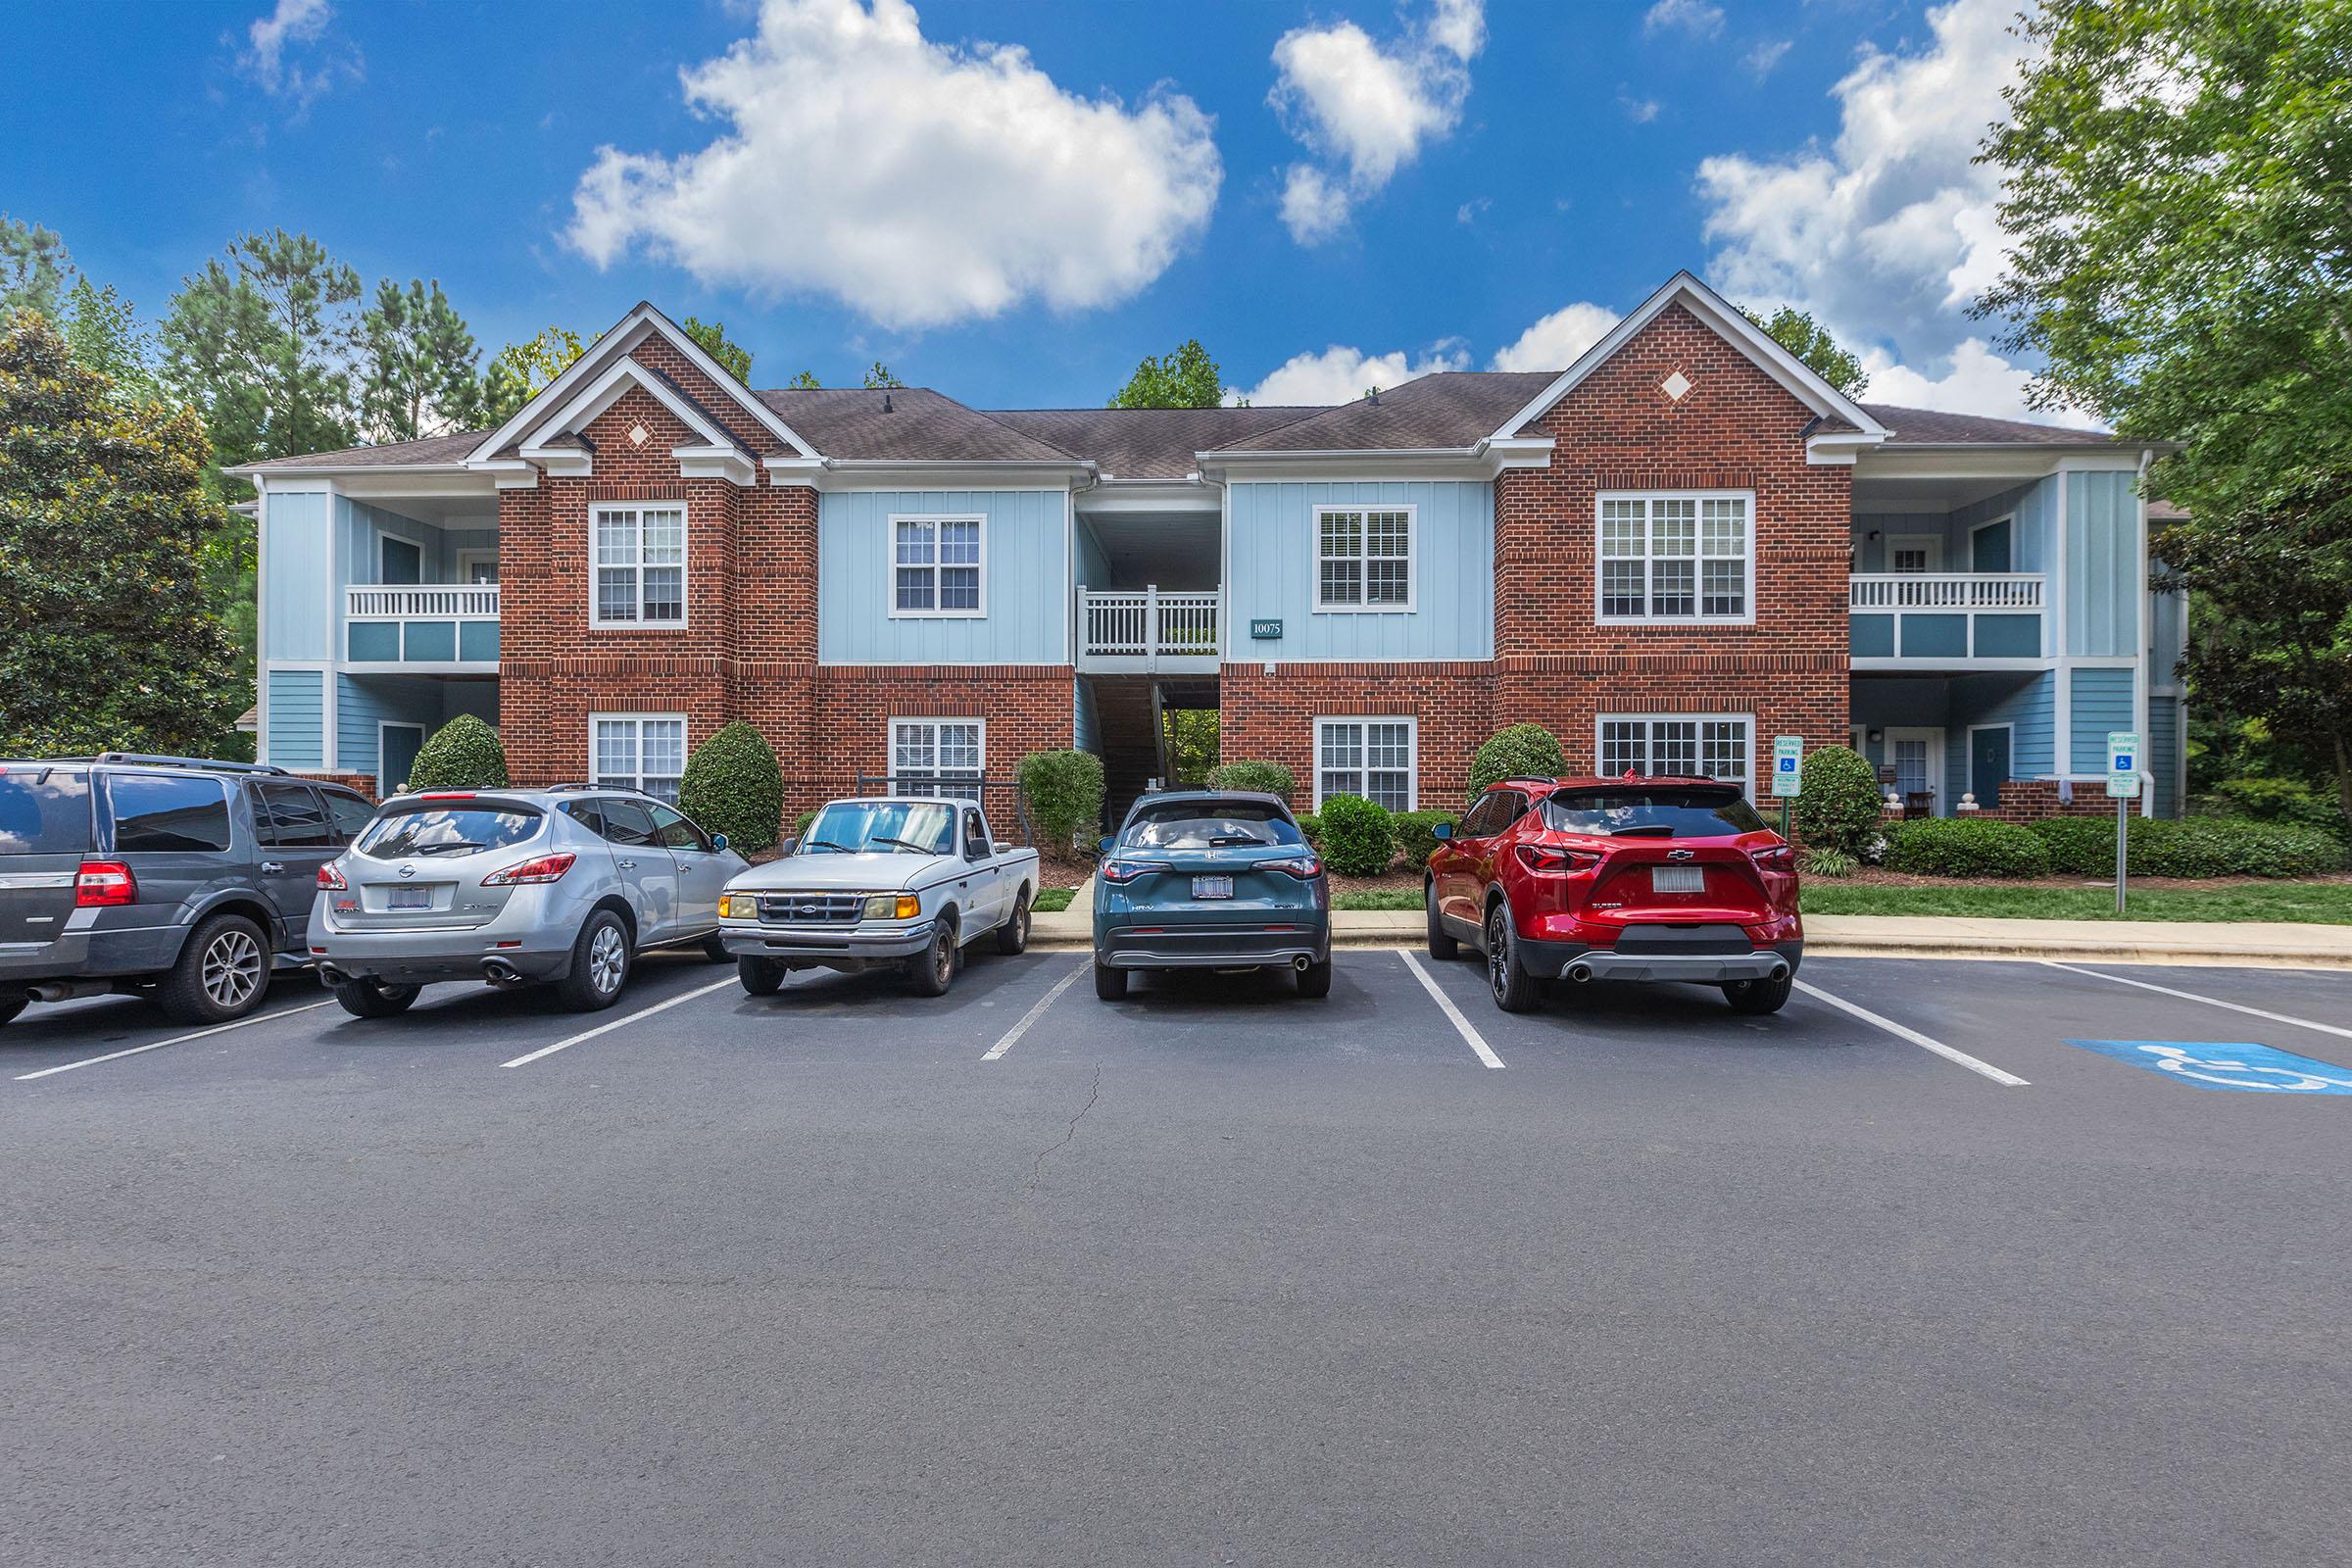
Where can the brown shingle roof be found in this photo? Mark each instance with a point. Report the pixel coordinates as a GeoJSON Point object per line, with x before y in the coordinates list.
{"type": "Point", "coordinates": [1447, 409]}
{"type": "Point", "coordinates": [1147, 443]}
{"type": "Point", "coordinates": [1932, 427]}
{"type": "Point", "coordinates": [921, 426]}
{"type": "Point", "coordinates": [434, 449]}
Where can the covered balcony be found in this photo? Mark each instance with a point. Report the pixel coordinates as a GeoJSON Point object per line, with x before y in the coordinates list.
{"type": "Point", "coordinates": [420, 628]}
{"type": "Point", "coordinates": [1149, 630]}
{"type": "Point", "coordinates": [1948, 572]}
{"type": "Point", "coordinates": [1944, 615]}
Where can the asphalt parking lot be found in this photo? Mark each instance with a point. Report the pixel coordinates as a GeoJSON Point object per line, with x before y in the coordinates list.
{"type": "Point", "coordinates": [846, 1276]}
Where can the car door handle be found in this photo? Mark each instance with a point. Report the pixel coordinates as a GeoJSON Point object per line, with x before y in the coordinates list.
{"type": "Point", "coordinates": [627, 865]}
{"type": "Point", "coordinates": [272, 869]}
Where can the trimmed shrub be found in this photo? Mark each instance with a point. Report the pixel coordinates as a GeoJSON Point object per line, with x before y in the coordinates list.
{"type": "Point", "coordinates": [462, 755]}
{"type": "Point", "coordinates": [2278, 800]}
{"type": "Point", "coordinates": [800, 824]}
{"type": "Point", "coordinates": [2079, 846]}
{"type": "Point", "coordinates": [1521, 751]}
{"type": "Point", "coordinates": [1841, 805]}
{"type": "Point", "coordinates": [1829, 863]}
{"type": "Point", "coordinates": [1267, 778]}
{"type": "Point", "coordinates": [1310, 828]}
{"type": "Point", "coordinates": [1065, 792]}
{"type": "Point", "coordinates": [2193, 846]}
{"type": "Point", "coordinates": [1937, 846]}
{"type": "Point", "coordinates": [1414, 838]}
{"type": "Point", "coordinates": [734, 785]}
{"type": "Point", "coordinates": [1360, 837]}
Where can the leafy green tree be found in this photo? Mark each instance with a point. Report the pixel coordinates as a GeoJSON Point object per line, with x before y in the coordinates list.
{"type": "Point", "coordinates": [417, 365]}
{"type": "Point", "coordinates": [465, 753]}
{"type": "Point", "coordinates": [103, 517]}
{"type": "Point", "coordinates": [34, 268]}
{"type": "Point", "coordinates": [2175, 178]}
{"type": "Point", "coordinates": [523, 370]}
{"type": "Point", "coordinates": [104, 333]}
{"type": "Point", "coordinates": [879, 377]}
{"type": "Point", "coordinates": [1184, 378]}
{"type": "Point", "coordinates": [1796, 331]}
{"type": "Point", "coordinates": [805, 381]}
{"type": "Point", "coordinates": [713, 336]}
{"type": "Point", "coordinates": [1193, 741]}
{"type": "Point", "coordinates": [262, 345]}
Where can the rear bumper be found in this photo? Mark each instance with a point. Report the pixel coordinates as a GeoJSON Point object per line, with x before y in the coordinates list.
{"type": "Point", "coordinates": [426, 957]}
{"type": "Point", "coordinates": [826, 945]}
{"type": "Point", "coordinates": [91, 955]}
{"type": "Point", "coordinates": [1556, 961]}
{"type": "Point", "coordinates": [1213, 946]}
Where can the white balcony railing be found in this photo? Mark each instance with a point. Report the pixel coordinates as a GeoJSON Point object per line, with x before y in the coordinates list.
{"type": "Point", "coordinates": [1946, 590]}
{"type": "Point", "coordinates": [449, 600]}
{"type": "Point", "coordinates": [1148, 624]}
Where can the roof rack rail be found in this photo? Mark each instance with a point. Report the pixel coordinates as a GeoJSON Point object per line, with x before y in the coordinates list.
{"type": "Point", "coordinates": [211, 764]}
{"type": "Point", "coordinates": [617, 789]}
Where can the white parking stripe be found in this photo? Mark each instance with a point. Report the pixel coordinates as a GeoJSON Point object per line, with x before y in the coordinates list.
{"type": "Point", "coordinates": [618, 1023]}
{"type": "Point", "coordinates": [2007, 1080]}
{"type": "Point", "coordinates": [2211, 1001]}
{"type": "Point", "coordinates": [1486, 1052]}
{"type": "Point", "coordinates": [217, 1029]}
{"type": "Point", "coordinates": [1013, 1034]}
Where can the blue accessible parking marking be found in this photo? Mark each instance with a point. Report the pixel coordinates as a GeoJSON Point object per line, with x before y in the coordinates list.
{"type": "Point", "coordinates": [2218, 1064]}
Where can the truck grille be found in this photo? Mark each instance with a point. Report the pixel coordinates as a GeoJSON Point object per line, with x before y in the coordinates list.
{"type": "Point", "coordinates": [811, 909]}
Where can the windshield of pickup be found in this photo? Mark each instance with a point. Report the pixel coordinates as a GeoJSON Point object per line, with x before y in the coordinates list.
{"type": "Point", "coordinates": [1209, 826]}
{"type": "Point", "coordinates": [883, 827]}
{"type": "Point", "coordinates": [1693, 811]}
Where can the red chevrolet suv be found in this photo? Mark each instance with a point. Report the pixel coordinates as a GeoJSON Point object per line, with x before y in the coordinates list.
{"type": "Point", "coordinates": [1630, 878]}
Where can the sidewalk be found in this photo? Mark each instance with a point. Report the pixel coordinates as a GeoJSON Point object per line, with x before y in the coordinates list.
{"type": "Point", "coordinates": [2253, 944]}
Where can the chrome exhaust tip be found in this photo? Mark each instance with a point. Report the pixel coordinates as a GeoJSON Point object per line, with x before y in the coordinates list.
{"type": "Point", "coordinates": [499, 972]}
{"type": "Point", "coordinates": [1780, 972]}
{"type": "Point", "coordinates": [329, 975]}
{"type": "Point", "coordinates": [1300, 964]}
{"type": "Point", "coordinates": [1581, 973]}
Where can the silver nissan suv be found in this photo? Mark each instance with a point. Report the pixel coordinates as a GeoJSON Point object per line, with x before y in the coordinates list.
{"type": "Point", "coordinates": [515, 887]}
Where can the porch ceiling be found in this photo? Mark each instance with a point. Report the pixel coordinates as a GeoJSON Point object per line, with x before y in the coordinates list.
{"type": "Point", "coordinates": [1176, 549]}
{"type": "Point", "coordinates": [1877, 497]}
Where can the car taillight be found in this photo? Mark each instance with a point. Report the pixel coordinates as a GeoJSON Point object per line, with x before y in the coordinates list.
{"type": "Point", "coordinates": [1123, 871]}
{"type": "Point", "coordinates": [332, 879]}
{"type": "Point", "coordinates": [1778, 858]}
{"type": "Point", "coordinates": [1553, 861]}
{"type": "Point", "coordinates": [448, 794]}
{"type": "Point", "coordinates": [1305, 867]}
{"type": "Point", "coordinates": [101, 884]}
{"type": "Point", "coordinates": [546, 868]}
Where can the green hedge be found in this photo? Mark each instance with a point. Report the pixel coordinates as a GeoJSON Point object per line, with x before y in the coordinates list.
{"type": "Point", "coordinates": [1064, 791]}
{"type": "Point", "coordinates": [2278, 800]}
{"type": "Point", "coordinates": [1360, 837]}
{"type": "Point", "coordinates": [800, 824]}
{"type": "Point", "coordinates": [464, 754]}
{"type": "Point", "coordinates": [1839, 808]}
{"type": "Point", "coordinates": [2193, 846]}
{"type": "Point", "coordinates": [1415, 841]}
{"type": "Point", "coordinates": [1310, 828]}
{"type": "Point", "coordinates": [734, 785]}
{"type": "Point", "coordinates": [1967, 847]}
{"type": "Point", "coordinates": [1520, 750]}
{"type": "Point", "coordinates": [1267, 778]}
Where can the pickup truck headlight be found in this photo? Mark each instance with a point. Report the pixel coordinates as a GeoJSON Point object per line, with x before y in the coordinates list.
{"type": "Point", "coordinates": [892, 907]}
{"type": "Point", "coordinates": [738, 907]}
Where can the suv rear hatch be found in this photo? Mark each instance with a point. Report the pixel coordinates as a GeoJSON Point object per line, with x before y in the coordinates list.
{"type": "Point", "coordinates": [44, 834]}
{"type": "Point", "coordinates": [419, 866]}
{"type": "Point", "coordinates": [1672, 854]}
{"type": "Point", "coordinates": [1195, 860]}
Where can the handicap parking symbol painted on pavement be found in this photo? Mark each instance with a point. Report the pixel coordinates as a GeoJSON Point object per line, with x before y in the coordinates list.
{"type": "Point", "coordinates": [2214, 1064]}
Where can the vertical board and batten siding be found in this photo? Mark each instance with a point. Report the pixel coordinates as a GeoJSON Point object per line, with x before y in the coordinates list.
{"type": "Point", "coordinates": [1086, 728]}
{"type": "Point", "coordinates": [297, 715]}
{"type": "Point", "coordinates": [1273, 544]}
{"type": "Point", "coordinates": [1024, 580]}
{"type": "Point", "coordinates": [363, 701]}
{"type": "Point", "coordinates": [2106, 576]}
{"type": "Point", "coordinates": [2164, 633]}
{"type": "Point", "coordinates": [1094, 567]}
{"type": "Point", "coordinates": [2032, 504]}
{"type": "Point", "coordinates": [2028, 705]}
{"type": "Point", "coordinates": [363, 526]}
{"type": "Point", "coordinates": [2101, 701]}
{"type": "Point", "coordinates": [302, 599]}
{"type": "Point", "coordinates": [2163, 743]}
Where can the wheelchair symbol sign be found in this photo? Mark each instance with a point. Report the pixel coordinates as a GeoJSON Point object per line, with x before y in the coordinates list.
{"type": "Point", "coordinates": [2211, 1065]}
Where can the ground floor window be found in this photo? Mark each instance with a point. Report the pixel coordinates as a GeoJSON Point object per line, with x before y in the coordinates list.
{"type": "Point", "coordinates": [1368, 757]}
{"type": "Point", "coordinates": [1688, 745]}
{"type": "Point", "coordinates": [643, 751]}
{"type": "Point", "coordinates": [927, 754]}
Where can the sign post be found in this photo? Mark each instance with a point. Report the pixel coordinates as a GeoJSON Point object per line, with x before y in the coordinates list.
{"type": "Point", "coordinates": [2123, 784]}
{"type": "Point", "coordinates": [1788, 772]}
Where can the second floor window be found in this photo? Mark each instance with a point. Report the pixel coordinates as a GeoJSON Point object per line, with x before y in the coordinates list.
{"type": "Point", "coordinates": [1677, 558]}
{"type": "Point", "coordinates": [1363, 557]}
{"type": "Point", "coordinates": [640, 577]}
{"type": "Point", "coordinates": [936, 564]}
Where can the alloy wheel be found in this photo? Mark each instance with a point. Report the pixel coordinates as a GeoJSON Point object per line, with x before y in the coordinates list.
{"type": "Point", "coordinates": [1498, 955]}
{"type": "Point", "coordinates": [232, 968]}
{"type": "Point", "coordinates": [607, 956]}
{"type": "Point", "coordinates": [943, 957]}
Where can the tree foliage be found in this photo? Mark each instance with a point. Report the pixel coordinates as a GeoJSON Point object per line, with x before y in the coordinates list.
{"type": "Point", "coordinates": [1516, 751]}
{"type": "Point", "coordinates": [1065, 792]}
{"type": "Point", "coordinates": [262, 344]}
{"type": "Point", "coordinates": [1839, 807]}
{"type": "Point", "coordinates": [1265, 778]}
{"type": "Point", "coordinates": [417, 365]}
{"type": "Point", "coordinates": [104, 334]}
{"type": "Point", "coordinates": [1183, 378]}
{"type": "Point", "coordinates": [805, 381]}
{"type": "Point", "coordinates": [34, 269]}
{"type": "Point", "coordinates": [464, 753]}
{"type": "Point", "coordinates": [1193, 738]}
{"type": "Point", "coordinates": [879, 376]}
{"type": "Point", "coordinates": [1360, 836]}
{"type": "Point", "coordinates": [713, 336]}
{"type": "Point", "coordinates": [521, 371]}
{"type": "Point", "coordinates": [104, 517]}
{"type": "Point", "coordinates": [734, 785]}
{"type": "Point", "coordinates": [1796, 331]}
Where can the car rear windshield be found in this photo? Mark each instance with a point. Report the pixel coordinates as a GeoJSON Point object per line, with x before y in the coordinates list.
{"type": "Point", "coordinates": [1695, 812]}
{"type": "Point", "coordinates": [446, 830]}
{"type": "Point", "coordinates": [1210, 824]}
{"type": "Point", "coordinates": [44, 810]}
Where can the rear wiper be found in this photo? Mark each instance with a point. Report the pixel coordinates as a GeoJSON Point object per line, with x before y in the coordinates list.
{"type": "Point", "coordinates": [1658, 832]}
{"type": "Point", "coordinates": [453, 844]}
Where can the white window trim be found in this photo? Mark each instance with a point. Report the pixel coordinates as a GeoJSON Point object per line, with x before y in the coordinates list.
{"type": "Point", "coordinates": [596, 622]}
{"type": "Point", "coordinates": [890, 575]}
{"type": "Point", "coordinates": [637, 779]}
{"type": "Point", "coordinates": [1932, 543]}
{"type": "Point", "coordinates": [467, 558]}
{"type": "Point", "coordinates": [1412, 557]}
{"type": "Point", "coordinates": [1412, 769]}
{"type": "Point", "coordinates": [1699, 583]}
{"type": "Point", "coordinates": [890, 749]}
{"type": "Point", "coordinates": [2009, 517]}
{"type": "Point", "coordinates": [1653, 717]}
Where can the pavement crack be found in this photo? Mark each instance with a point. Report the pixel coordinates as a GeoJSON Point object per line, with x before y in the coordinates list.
{"type": "Point", "coordinates": [1093, 1092]}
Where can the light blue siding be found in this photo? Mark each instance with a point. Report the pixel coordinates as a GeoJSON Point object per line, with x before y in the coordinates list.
{"type": "Point", "coordinates": [1272, 542]}
{"type": "Point", "coordinates": [2164, 638]}
{"type": "Point", "coordinates": [362, 701]}
{"type": "Point", "coordinates": [2102, 702]}
{"type": "Point", "coordinates": [2032, 504]}
{"type": "Point", "coordinates": [1026, 581]}
{"type": "Point", "coordinates": [363, 526]}
{"type": "Point", "coordinates": [303, 601]}
{"type": "Point", "coordinates": [2164, 753]}
{"type": "Point", "coordinates": [1094, 567]}
{"type": "Point", "coordinates": [2027, 704]}
{"type": "Point", "coordinates": [1087, 729]}
{"type": "Point", "coordinates": [2105, 578]}
{"type": "Point", "coordinates": [297, 717]}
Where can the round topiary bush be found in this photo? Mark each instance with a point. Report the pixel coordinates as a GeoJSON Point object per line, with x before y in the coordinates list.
{"type": "Point", "coordinates": [1360, 836]}
{"type": "Point", "coordinates": [1839, 808]}
{"type": "Point", "coordinates": [1416, 839]}
{"type": "Point", "coordinates": [1523, 751]}
{"type": "Point", "coordinates": [1267, 778]}
{"type": "Point", "coordinates": [734, 785]}
{"type": "Point", "coordinates": [462, 755]}
{"type": "Point", "coordinates": [1310, 828]}
{"type": "Point", "coordinates": [1065, 792]}
{"type": "Point", "coordinates": [1967, 847]}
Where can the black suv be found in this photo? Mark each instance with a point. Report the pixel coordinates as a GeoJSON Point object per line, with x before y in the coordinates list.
{"type": "Point", "coordinates": [171, 876]}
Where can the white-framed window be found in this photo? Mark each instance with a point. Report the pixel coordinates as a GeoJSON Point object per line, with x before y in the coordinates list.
{"type": "Point", "coordinates": [639, 575]}
{"type": "Point", "coordinates": [1365, 558]}
{"type": "Point", "coordinates": [1718, 746]}
{"type": "Point", "coordinates": [1681, 556]}
{"type": "Point", "coordinates": [937, 566]}
{"type": "Point", "coordinates": [928, 755]}
{"type": "Point", "coordinates": [643, 751]}
{"type": "Point", "coordinates": [1373, 758]}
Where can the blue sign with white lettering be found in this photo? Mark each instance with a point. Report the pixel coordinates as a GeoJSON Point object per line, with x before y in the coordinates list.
{"type": "Point", "coordinates": [2213, 1064]}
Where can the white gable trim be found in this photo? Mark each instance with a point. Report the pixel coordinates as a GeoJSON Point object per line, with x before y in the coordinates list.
{"type": "Point", "coordinates": [1743, 334]}
{"type": "Point", "coordinates": [599, 395]}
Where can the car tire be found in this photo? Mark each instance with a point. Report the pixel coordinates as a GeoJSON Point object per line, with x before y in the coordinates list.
{"type": "Point", "coordinates": [12, 1007]}
{"type": "Point", "coordinates": [373, 998]}
{"type": "Point", "coordinates": [1759, 996]}
{"type": "Point", "coordinates": [601, 961]}
{"type": "Point", "coordinates": [1514, 990]}
{"type": "Point", "coordinates": [1014, 935]}
{"type": "Point", "coordinates": [761, 977]}
{"type": "Point", "coordinates": [933, 970]}
{"type": "Point", "coordinates": [1314, 981]}
{"type": "Point", "coordinates": [222, 973]}
{"type": "Point", "coordinates": [714, 948]}
{"type": "Point", "coordinates": [1441, 945]}
{"type": "Point", "coordinates": [1110, 984]}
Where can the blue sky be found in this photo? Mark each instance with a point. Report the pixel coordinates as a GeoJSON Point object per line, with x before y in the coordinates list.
{"type": "Point", "coordinates": [1325, 194]}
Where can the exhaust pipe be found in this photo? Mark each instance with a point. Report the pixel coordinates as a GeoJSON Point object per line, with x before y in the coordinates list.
{"type": "Point", "coordinates": [69, 990]}
{"type": "Point", "coordinates": [1300, 964]}
{"type": "Point", "coordinates": [328, 974]}
{"type": "Point", "coordinates": [1780, 972]}
{"type": "Point", "coordinates": [1581, 973]}
{"type": "Point", "coordinates": [499, 972]}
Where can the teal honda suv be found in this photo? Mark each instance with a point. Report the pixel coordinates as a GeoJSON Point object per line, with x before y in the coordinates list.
{"type": "Point", "coordinates": [1210, 879]}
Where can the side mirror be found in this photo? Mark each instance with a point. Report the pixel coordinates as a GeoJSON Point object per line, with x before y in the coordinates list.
{"type": "Point", "coordinates": [788, 847]}
{"type": "Point", "coordinates": [718, 840]}
{"type": "Point", "coordinates": [1003, 848]}
{"type": "Point", "coordinates": [1440, 831]}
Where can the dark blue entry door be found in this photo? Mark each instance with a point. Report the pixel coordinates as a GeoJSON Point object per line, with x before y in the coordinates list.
{"type": "Point", "coordinates": [1987, 765]}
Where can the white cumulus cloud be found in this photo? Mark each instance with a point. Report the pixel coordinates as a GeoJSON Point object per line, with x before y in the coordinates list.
{"type": "Point", "coordinates": [1365, 108]}
{"type": "Point", "coordinates": [1764, 56]}
{"type": "Point", "coordinates": [1693, 17]}
{"type": "Point", "coordinates": [276, 43]}
{"type": "Point", "coordinates": [1341, 375]}
{"type": "Point", "coordinates": [918, 183]}
{"type": "Point", "coordinates": [1554, 342]}
{"type": "Point", "coordinates": [1978, 381]}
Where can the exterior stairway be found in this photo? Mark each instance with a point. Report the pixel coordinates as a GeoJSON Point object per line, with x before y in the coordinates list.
{"type": "Point", "coordinates": [1127, 718]}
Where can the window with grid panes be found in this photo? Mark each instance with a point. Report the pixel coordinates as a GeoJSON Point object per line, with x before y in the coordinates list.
{"type": "Point", "coordinates": [1675, 745]}
{"type": "Point", "coordinates": [1363, 557]}
{"type": "Point", "coordinates": [928, 755]}
{"type": "Point", "coordinates": [1371, 758]}
{"type": "Point", "coordinates": [934, 566]}
{"type": "Point", "coordinates": [640, 566]}
{"type": "Point", "coordinates": [643, 751]}
{"type": "Point", "coordinates": [1674, 557]}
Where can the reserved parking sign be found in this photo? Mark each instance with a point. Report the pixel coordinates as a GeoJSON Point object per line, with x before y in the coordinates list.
{"type": "Point", "coordinates": [1788, 765]}
{"type": "Point", "coordinates": [2123, 765]}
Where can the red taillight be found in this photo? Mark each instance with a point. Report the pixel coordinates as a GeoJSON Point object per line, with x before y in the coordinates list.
{"type": "Point", "coordinates": [1778, 858]}
{"type": "Point", "coordinates": [1551, 861]}
{"type": "Point", "coordinates": [546, 868]}
{"type": "Point", "coordinates": [448, 794]}
{"type": "Point", "coordinates": [1124, 871]}
{"type": "Point", "coordinates": [100, 884]}
{"type": "Point", "coordinates": [332, 879]}
{"type": "Point", "coordinates": [1305, 867]}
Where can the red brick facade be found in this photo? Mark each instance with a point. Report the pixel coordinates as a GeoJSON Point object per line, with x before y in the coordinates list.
{"type": "Point", "coordinates": [1272, 718]}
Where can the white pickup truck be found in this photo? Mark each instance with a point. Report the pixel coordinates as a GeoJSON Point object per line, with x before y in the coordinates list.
{"type": "Point", "coordinates": [904, 882]}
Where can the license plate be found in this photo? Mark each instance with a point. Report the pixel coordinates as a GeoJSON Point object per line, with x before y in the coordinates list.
{"type": "Point", "coordinates": [1677, 879]}
{"type": "Point", "coordinates": [409, 898]}
{"type": "Point", "coordinates": [1212, 887]}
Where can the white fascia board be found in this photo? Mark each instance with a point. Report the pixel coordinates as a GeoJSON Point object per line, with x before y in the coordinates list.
{"type": "Point", "coordinates": [1480, 462]}
{"type": "Point", "coordinates": [1726, 320]}
{"type": "Point", "coordinates": [2019, 463]}
{"type": "Point", "coordinates": [893, 474]}
{"type": "Point", "coordinates": [715, 462]}
{"type": "Point", "coordinates": [1114, 495]}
